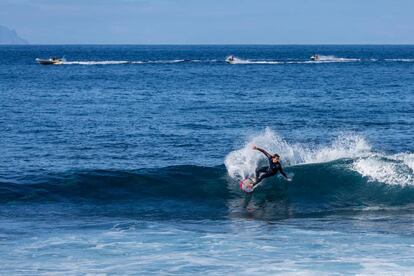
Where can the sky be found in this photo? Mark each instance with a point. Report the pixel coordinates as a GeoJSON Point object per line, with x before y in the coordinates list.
{"type": "Point", "coordinates": [211, 21]}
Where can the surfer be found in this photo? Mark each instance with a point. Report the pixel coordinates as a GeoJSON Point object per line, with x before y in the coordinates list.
{"type": "Point", "coordinates": [271, 170]}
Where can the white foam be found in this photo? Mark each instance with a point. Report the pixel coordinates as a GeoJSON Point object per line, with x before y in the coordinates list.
{"type": "Point", "coordinates": [166, 61]}
{"type": "Point", "coordinates": [400, 59]}
{"type": "Point", "coordinates": [407, 158]}
{"type": "Point", "coordinates": [322, 59]}
{"type": "Point", "coordinates": [117, 62]}
{"type": "Point", "coordinates": [326, 59]}
{"type": "Point", "coordinates": [394, 169]}
{"type": "Point", "coordinates": [248, 61]}
{"type": "Point", "coordinates": [242, 162]}
{"type": "Point", "coordinates": [397, 169]}
{"type": "Point", "coordinates": [104, 62]}
{"type": "Point", "coordinates": [336, 59]}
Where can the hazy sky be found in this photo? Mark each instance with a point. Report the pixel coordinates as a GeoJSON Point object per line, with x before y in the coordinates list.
{"type": "Point", "coordinates": [211, 21]}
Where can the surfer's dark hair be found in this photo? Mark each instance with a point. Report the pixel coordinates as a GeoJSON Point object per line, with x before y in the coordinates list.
{"type": "Point", "coordinates": [276, 155]}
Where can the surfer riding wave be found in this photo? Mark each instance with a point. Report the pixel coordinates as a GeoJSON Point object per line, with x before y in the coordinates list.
{"type": "Point", "coordinates": [271, 170]}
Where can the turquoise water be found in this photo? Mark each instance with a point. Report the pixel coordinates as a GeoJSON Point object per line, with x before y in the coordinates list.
{"type": "Point", "coordinates": [127, 159]}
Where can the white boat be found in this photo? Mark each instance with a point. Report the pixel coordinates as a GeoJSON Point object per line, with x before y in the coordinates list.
{"type": "Point", "coordinates": [231, 59]}
{"type": "Point", "coordinates": [50, 61]}
{"type": "Point", "coordinates": [315, 57]}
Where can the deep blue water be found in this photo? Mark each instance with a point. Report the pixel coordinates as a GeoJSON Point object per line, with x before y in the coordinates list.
{"type": "Point", "coordinates": [127, 159]}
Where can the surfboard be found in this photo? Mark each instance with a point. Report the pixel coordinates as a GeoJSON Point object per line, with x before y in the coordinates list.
{"type": "Point", "coordinates": [247, 185]}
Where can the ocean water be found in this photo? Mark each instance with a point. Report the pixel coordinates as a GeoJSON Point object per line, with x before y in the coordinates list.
{"type": "Point", "coordinates": [127, 159]}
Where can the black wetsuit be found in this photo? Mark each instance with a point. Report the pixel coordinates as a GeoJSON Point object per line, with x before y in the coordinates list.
{"type": "Point", "coordinates": [271, 170]}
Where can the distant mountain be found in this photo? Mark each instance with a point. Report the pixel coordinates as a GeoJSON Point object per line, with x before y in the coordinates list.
{"type": "Point", "coordinates": [8, 36]}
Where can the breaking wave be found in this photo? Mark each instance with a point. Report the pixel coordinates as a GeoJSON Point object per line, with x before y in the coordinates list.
{"type": "Point", "coordinates": [315, 187]}
{"type": "Point", "coordinates": [394, 169]}
{"type": "Point", "coordinates": [346, 173]}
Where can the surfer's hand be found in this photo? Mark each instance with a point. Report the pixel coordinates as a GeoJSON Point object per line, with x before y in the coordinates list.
{"type": "Point", "coordinates": [254, 147]}
{"type": "Point", "coordinates": [289, 179]}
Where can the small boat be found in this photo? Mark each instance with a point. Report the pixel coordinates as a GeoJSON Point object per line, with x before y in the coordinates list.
{"type": "Point", "coordinates": [231, 59]}
{"type": "Point", "coordinates": [50, 61]}
{"type": "Point", "coordinates": [315, 57]}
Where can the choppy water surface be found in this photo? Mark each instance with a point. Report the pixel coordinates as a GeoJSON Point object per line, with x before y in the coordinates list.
{"type": "Point", "coordinates": [126, 160]}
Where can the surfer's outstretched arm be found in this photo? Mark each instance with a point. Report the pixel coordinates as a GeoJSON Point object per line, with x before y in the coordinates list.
{"type": "Point", "coordinates": [284, 174]}
{"type": "Point", "coordinates": [268, 155]}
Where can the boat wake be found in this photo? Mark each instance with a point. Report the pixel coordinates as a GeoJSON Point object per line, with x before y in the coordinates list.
{"type": "Point", "coordinates": [400, 59]}
{"type": "Point", "coordinates": [322, 59]}
{"type": "Point", "coordinates": [118, 62]}
{"type": "Point", "coordinates": [334, 59]}
{"type": "Point", "coordinates": [234, 61]}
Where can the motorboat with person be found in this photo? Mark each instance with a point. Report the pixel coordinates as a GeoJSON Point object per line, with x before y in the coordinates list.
{"type": "Point", "coordinates": [315, 57]}
{"type": "Point", "coordinates": [50, 61]}
{"type": "Point", "coordinates": [231, 59]}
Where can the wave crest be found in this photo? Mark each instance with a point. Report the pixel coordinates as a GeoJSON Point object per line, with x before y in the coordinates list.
{"type": "Point", "coordinates": [242, 162]}
{"type": "Point", "coordinates": [394, 169]}
{"type": "Point", "coordinates": [326, 186]}
{"type": "Point", "coordinates": [389, 169]}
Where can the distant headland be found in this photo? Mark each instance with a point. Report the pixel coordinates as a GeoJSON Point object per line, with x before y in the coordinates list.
{"type": "Point", "coordinates": [8, 36]}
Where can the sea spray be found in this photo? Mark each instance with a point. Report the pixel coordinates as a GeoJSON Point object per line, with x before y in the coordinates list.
{"type": "Point", "coordinates": [242, 162]}
{"type": "Point", "coordinates": [392, 169]}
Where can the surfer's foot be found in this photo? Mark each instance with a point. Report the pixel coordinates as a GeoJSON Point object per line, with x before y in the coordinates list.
{"type": "Point", "coordinates": [251, 184]}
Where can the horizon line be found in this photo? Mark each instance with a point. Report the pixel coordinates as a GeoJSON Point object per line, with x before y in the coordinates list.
{"type": "Point", "coordinates": [210, 44]}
